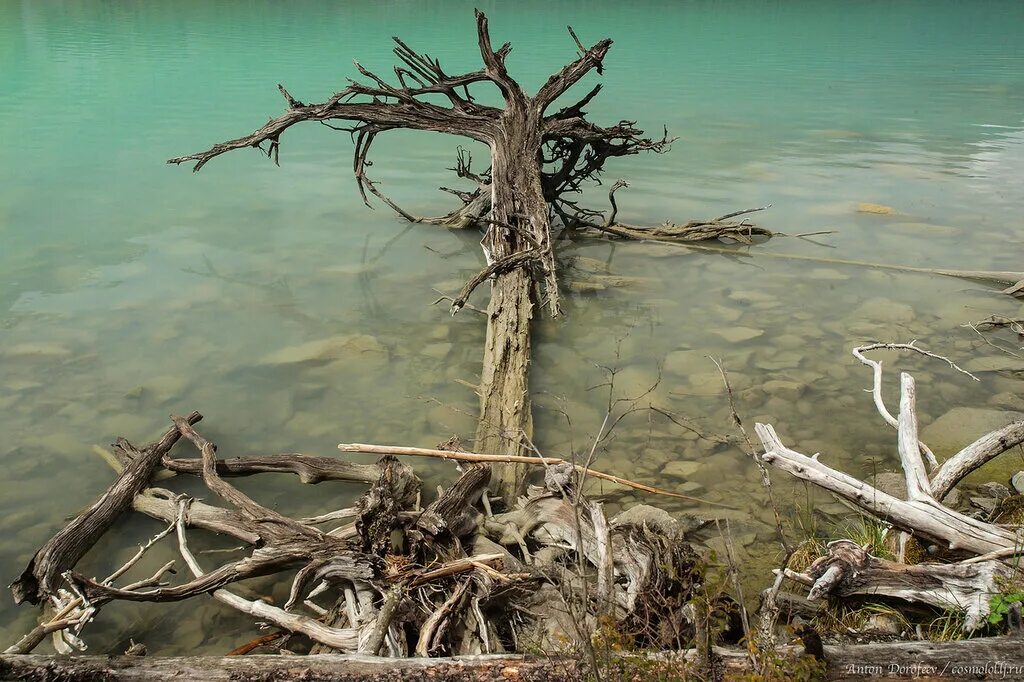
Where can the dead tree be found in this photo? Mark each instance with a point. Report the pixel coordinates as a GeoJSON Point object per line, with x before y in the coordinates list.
{"type": "Point", "coordinates": [539, 159]}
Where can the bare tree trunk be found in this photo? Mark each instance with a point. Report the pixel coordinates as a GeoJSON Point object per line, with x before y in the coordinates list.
{"type": "Point", "coordinates": [520, 223]}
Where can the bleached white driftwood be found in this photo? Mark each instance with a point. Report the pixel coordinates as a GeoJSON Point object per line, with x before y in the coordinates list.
{"type": "Point", "coordinates": [876, 388]}
{"type": "Point", "coordinates": [343, 639]}
{"type": "Point", "coordinates": [986, 448]}
{"type": "Point", "coordinates": [920, 515]}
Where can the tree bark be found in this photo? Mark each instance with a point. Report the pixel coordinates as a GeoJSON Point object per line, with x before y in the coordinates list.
{"type": "Point", "coordinates": [519, 222]}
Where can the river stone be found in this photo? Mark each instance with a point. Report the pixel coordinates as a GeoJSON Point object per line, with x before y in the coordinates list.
{"type": "Point", "coordinates": [711, 383]}
{"type": "Point", "coordinates": [438, 351]}
{"type": "Point", "coordinates": [36, 350]}
{"type": "Point", "coordinates": [876, 209]}
{"type": "Point", "coordinates": [363, 347]}
{"type": "Point", "coordinates": [994, 490]}
{"type": "Point", "coordinates": [1018, 482]}
{"type": "Point", "coordinates": [963, 425]}
{"type": "Point", "coordinates": [681, 469]}
{"type": "Point", "coordinates": [739, 334]}
{"type": "Point", "coordinates": [787, 390]}
{"type": "Point", "coordinates": [884, 310]}
{"type": "Point", "coordinates": [658, 519]}
{"type": "Point", "coordinates": [587, 264]}
{"type": "Point", "coordinates": [788, 341]}
{"type": "Point", "coordinates": [167, 387]}
{"type": "Point", "coordinates": [724, 313]}
{"type": "Point", "coordinates": [986, 504]}
{"type": "Point", "coordinates": [750, 296]}
{"type": "Point", "coordinates": [891, 483]}
{"type": "Point", "coordinates": [685, 362]}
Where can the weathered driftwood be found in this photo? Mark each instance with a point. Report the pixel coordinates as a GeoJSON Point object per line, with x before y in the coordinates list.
{"type": "Point", "coordinates": [849, 570]}
{"type": "Point", "coordinates": [921, 513]}
{"type": "Point", "coordinates": [41, 577]}
{"type": "Point", "coordinates": [449, 578]}
{"type": "Point", "coordinates": [990, 658]}
{"type": "Point", "coordinates": [308, 469]}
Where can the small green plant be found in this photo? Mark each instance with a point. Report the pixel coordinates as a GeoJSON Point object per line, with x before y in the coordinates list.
{"type": "Point", "coordinates": [948, 626]}
{"type": "Point", "coordinates": [999, 606]}
{"type": "Point", "coordinates": [875, 534]}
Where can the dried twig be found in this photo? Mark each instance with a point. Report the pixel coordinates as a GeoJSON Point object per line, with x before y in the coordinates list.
{"type": "Point", "coordinates": [533, 461]}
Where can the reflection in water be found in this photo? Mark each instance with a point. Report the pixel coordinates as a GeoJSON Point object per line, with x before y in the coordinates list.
{"type": "Point", "coordinates": [272, 300]}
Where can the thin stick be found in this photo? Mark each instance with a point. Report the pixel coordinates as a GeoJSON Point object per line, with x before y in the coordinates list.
{"type": "Point", "coordinates": [766, 480]}
{"type": "Point", "coordinates": [876, 388]}
{"type": "Point", "coordinates": [516, 459]}
{"type": "Point", "coordinates": [1015, 279]}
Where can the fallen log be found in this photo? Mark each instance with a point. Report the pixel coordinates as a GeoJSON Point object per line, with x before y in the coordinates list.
{"type": "Point", "coordinates": [848, 570]}
{"type": "Point", "coordinates": [992, 658]}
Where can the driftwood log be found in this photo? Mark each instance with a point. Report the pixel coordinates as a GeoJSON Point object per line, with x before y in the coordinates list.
{"type": "Point", "coordinates": [991, 658]}
{"type": "Point", "coordinates": [848, 570]}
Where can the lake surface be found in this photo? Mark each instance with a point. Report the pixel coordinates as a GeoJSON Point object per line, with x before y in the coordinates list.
{"type": "Point", "coordinates": [130, 289]}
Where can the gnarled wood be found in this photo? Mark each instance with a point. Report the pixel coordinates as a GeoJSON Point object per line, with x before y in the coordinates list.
{"type": "Point", "coordinates": [61, 552]}
{"type": "Point", "coordinates": [849, 570]}
{"type": "Point", "coordinates": [537, 159]}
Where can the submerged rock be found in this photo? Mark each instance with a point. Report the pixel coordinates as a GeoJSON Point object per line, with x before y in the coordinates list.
{"type": "Point", "coordinates": [876, 209]}
{"type": "Point", "coordinates": [891, 483]}
{"type": "Point", "coordinates": [963, 425]}
{"type": "Point", "coordinates": [997, 491]}
{"type": "Point", "coordinates": [884, 310]}
{"type": "Point", "coordinates": [995, 363]}
{"type": "Point", "coordinates": [739, 334]}
{"type": "Point", "coordinates": [685, 362]}
{"type": "Point", "coordinates": [787, 390]}
{"type": "Point", "coordinates": [659, 519]}
{"type": "Point", "coordinates": [1010, 401]}
{"type": "Point", "coordinates": [724, 313]}
{"type": "Point", "coordinates": [360, 347]}
{"type": "Point", "coordinates": [681, 469]}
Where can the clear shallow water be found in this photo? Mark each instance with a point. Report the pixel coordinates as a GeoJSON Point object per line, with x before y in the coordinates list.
{"type": "Point", "coordinates": [130, 289]}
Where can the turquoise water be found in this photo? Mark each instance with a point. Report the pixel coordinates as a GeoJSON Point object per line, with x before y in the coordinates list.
{"type": "Point", "coordinates": [130, 289]}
